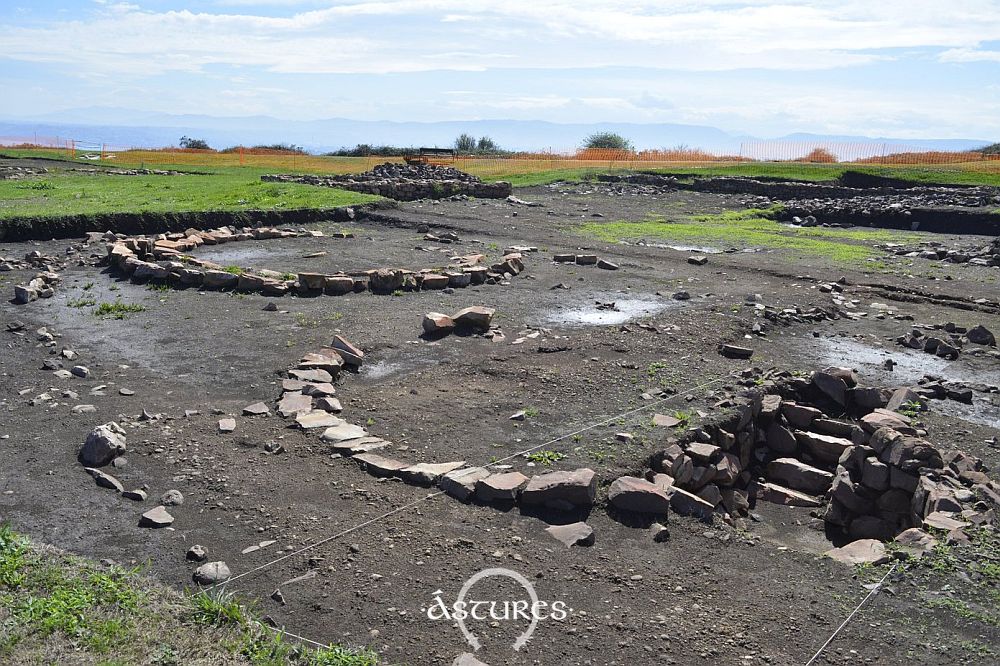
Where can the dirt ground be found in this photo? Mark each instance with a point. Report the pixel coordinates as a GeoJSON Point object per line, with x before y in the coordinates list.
{"type": "Point", "coordinates": [707, 595]}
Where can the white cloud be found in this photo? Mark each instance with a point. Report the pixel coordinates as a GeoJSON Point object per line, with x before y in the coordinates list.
{"type": "Point", "coordinates": [969, 55]}
{"type": "Point", "coordinates": [369, 36]}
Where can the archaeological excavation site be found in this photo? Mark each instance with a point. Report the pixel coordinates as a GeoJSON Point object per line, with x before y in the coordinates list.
{"type": "Point", "coordinates": [703, 418]}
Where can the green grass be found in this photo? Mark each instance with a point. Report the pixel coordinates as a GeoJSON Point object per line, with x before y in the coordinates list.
{"type": "Point", "coordinates": [117, 310]}
{"type": "Point", "coordinates": [795, 171]}
{"type": "Point", "coordinates": [751, 228]}
{"type": "Point", "coordinates": [57, 608]}
{"type": "Point", "coordinates": [545, 457]}
{"type": "Point", "coordinates": [59, 194]}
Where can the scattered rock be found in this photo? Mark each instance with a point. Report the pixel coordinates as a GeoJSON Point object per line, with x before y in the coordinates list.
{"type": "Point", "coordinates": [172, 498]}
{"type": "Point", "coordinates": [733, 351]}
{"type": "Point", "coordinates": [157, 517]}
{"type": "Point", "coordinates": [227, 425]}
{"type": "Point", "coordinates": [862, 551]}
{"type": "Point", "coordinates": [103, 444]}
{"type": "Point", "coordinates": [475, 318]}
{"type": "Point", "coordinates": [212, 573]}
{"type": "Point", "coordinates": [104, 480]}
{"type": "Point", "coordinates": [574, 534]}
{"type": "Point", "coordinates": [435, 323]}
{"type": "Point", "coordinates": [196, 553]}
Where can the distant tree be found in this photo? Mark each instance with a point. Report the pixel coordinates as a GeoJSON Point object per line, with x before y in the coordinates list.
{"type": "Point", "coordinates": [465, 143]}
{"type": "Point", "coordinates": [608, 141]}
{"type": "Point", "coordinates": [194, 144]}
{"type": "Point", "coordinates": [487, 145]}
{"type": "Point", "coordinates": [819, 156]}
{"type": "Point", "coordinates": [282, 147]}
{"type": "Point", "coordinates": [992, 149]}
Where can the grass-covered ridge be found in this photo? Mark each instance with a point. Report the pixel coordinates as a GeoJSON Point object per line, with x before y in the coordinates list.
{"type": "Point", "coordinates": [61, 194]}
{"type": "Point", "coordinates": [56, 608]}
{"type": "Point", "coordinates": [751, 228]}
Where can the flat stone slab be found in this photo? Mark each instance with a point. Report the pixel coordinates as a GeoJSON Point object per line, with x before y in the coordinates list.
{"type": "Point", "coordinates": [427, 474]}
{"type": "Point", "coordinates": [574, 534]}
{"type": "Point", "coordinates": [687, 504]}
{"type": "Point", "coordinates": [256, 409]}
{"type": "Point", "coordinates": [799, 476]}
{"type": "Point", "coordinates": [331, 405]}
{"type": "Point", "coordinates": [319, 390]}
{"type": "Point", "coordinates": [500, 487]}
{"type": "Point", "coordinates": [294, 403]}
{"type": "Point", "coordinates": [343, 432]}
{"type": "Point", "coordinates": [915, 542]}
{"type": "Point", "coordinates": [461, 483]}
{"type": "Point", "coordinates": [158, 517]}
{"type": "Point", "coordinates": [318, 418]}
{"type": "Point", "coordinates": [350, 447]}
{"type": "Point", "coordinates": [862, 551]}
{"type": "Point", "coordinates": [772, 492]}
{"type": "Point", "coordinates": [315, 376]}
{"type": "Point", "coordinates": [665, 420]}
{"type": "Point", "coordinates": [105, 480]}
{"type": "Point", "coordinates": [376, 465]}
{"type": "Point", "coordinates": [227, 425]}
{"type": "Point", "coordinates": [825, 448]}
{"type": "Point", "coordinates": [943, 520]}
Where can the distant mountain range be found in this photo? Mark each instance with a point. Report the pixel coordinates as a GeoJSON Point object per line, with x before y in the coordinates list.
{"type": "Point", "coordinates": [130, 128]}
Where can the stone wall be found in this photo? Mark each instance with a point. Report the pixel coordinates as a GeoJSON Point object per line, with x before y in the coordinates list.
{"type": "Point", "coordinates": [828, 443]}
{"type": "Point", "coordinates": [404, 189]}
{"type": "Point", "coordinates": [164, 259]}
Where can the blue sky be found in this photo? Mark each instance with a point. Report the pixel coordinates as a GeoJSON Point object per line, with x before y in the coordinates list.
{"type": "Point", "coordinates": [908, 68]}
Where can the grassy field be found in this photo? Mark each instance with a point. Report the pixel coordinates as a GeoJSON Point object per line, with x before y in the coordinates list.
{"type": "Point", "coordinates": [64, 193]}
{"type": "Point", "coordinates": [56, 608]}
{"type": "Point", "coordinates": [524, 172]}
{"type": "Point", "coordinates": [752, 228]}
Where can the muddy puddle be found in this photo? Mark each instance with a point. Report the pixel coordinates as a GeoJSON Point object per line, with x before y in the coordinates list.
{"type": "Point", "coordinates": [909, 366]}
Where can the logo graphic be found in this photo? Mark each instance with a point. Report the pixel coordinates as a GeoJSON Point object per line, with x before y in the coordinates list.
{"type": "Point", "coordinates": [532, 611]}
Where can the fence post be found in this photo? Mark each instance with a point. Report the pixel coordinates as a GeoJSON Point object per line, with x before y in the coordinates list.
{"type": "Point", "coordinates": [241, 155]}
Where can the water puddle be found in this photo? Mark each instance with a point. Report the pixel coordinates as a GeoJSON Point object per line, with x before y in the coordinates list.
{"type": "Point", "coordinates": [702, 249]}
{"type": "Point", "coordinates": [607, 310]}
{"type": "Point", "coordinates": [242, 254]}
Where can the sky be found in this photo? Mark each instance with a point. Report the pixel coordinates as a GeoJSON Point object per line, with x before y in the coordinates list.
{"type": "Point", "coordinates": [902, 68]}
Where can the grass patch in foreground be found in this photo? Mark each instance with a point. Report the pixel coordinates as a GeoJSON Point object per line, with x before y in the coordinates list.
{"type": "Point", "coordinates": [117, 310]}
{"type": "Point", "coordinates": [751, 228]}
{"type": "Point", "coordinates": [60, 194]}
{"type": "Point", "coordinates": [57, 608]}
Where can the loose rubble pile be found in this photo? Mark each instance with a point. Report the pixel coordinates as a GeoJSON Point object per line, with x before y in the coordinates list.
{"type": "Point", "coordinates": [41, 286]}
{"type": "Point", "coordinates": [163, 259]}
{"type": "Point", "coordinates": [824, 442]}
{"type": "Point", "coordinates": [978, 255]}
{"type": "Point", "coordinates": [957, 338]}
{"type": "Point", "coordinates": [20, 173]}
{"type": "Point", "coordinates": [406, 182]}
